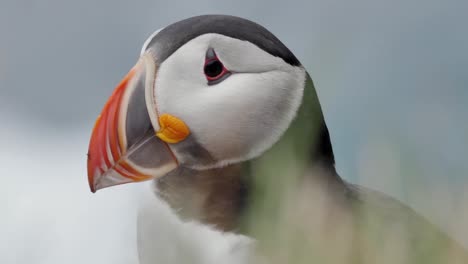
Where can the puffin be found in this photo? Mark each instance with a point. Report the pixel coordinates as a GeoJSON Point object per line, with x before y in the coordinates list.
{"type": "Point", "coordinates": [226, 122]}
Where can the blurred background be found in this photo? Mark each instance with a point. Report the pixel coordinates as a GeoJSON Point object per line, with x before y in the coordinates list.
{"type": "Point", "coordinates": [391, 76]}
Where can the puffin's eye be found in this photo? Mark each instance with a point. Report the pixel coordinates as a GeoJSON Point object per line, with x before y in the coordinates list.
{"type": "Point", "coordinates": [214, 70]}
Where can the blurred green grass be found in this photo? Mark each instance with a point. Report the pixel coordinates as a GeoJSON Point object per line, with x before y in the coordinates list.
{"type": "Point", "coordinates": [294, 221]}
{"type": "Point", "coordinates": [302, 231]}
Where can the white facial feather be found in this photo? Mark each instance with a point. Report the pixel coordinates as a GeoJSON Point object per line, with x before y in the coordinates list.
{"type": "Point", "coordinates": [240, 117]}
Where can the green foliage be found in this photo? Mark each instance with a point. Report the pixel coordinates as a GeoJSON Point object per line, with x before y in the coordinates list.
{"type": "Point", "coordinates": [297, 219]}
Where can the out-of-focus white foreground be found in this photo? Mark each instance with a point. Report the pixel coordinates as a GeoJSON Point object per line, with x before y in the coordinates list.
{"type": "Point", "coordinates": [48, 214]}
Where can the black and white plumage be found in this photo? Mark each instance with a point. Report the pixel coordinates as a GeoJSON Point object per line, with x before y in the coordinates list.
{"type": "Point", "coordinates": [237, 123]}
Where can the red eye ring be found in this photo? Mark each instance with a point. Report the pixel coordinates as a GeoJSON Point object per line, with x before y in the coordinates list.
{"type": "Point", "coordinates": [214, 69]}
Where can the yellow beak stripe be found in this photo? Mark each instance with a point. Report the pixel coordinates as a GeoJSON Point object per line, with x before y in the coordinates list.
{"type": "Point", "coordinates": [173, 129]}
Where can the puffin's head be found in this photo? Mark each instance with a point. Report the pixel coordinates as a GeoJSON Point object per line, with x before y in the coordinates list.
{"type": "Point", "coordinates": [206, 92]}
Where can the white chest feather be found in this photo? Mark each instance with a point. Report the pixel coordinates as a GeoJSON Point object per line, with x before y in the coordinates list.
{"type": "Point", "coordinates": [164, 238]}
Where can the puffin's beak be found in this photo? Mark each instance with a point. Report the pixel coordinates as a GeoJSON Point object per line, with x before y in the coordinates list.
{"type": "Point", "coordinates": [129, 142]}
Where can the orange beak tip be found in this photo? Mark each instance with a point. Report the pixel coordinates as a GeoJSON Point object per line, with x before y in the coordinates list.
{"type": "Point", "coordinates": [120, 145]}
